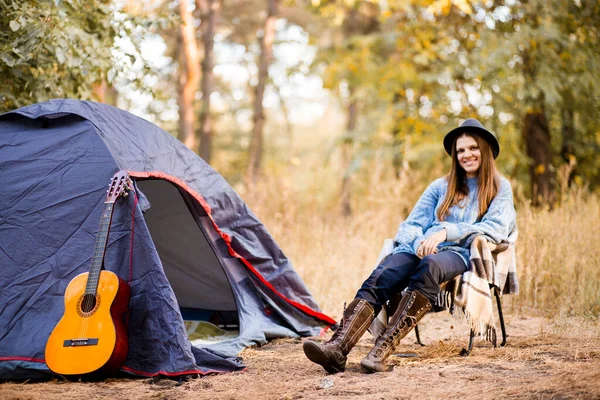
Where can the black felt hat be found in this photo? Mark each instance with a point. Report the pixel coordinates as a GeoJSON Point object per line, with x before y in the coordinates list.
{"type": "Point", "coordinates": [471, 125]}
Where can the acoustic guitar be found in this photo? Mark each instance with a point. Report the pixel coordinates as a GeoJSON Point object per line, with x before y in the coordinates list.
{"type": "Point", "coordinates": [91, 336]}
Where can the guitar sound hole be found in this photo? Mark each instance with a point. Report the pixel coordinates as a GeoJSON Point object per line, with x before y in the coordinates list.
{"type": "Point", "coordinates": [88, 303]}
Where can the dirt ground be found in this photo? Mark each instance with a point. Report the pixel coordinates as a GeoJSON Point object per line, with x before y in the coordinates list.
{"type": "Point", "coordinates": [543, 360]}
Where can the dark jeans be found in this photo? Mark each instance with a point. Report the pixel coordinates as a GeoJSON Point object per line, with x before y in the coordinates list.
{"type": "Point", "coordinates": [404, 270]}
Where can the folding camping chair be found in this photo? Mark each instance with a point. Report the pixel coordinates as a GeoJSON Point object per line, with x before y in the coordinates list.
{"type": "Point", "coordinates": [380, 323]}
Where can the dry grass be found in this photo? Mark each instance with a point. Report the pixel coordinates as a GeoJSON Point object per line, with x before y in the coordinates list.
{"type": "Point", "coordinates": [558, 252]}
{"type": "Point", "coordinates": [333, 254]}
{"type": "Point", "coordinates": [559, 256]}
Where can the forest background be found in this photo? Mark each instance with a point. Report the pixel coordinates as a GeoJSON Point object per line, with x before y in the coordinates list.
{"type": "Point", "coordinates": [328, 116]}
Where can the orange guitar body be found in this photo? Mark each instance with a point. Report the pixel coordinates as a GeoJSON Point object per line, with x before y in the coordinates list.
{"type": "Point", "coordinates": [91, 336]}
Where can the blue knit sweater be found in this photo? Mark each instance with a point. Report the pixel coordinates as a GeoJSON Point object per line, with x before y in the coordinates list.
{"type": "Point", "coordinates": [497, 223]}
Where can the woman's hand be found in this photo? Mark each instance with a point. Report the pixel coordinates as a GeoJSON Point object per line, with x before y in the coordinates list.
{"type": "Point", "coordinates": [429, 245]}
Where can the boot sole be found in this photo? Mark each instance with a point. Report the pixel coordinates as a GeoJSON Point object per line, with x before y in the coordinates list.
{"type": "Point", "coordinates": [372, 367]}
{"type": "Point", "coordinates": [314, 354]}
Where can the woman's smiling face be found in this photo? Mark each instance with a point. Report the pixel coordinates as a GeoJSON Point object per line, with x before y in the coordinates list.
{"type": "Point", "coordinates": [469, 155]}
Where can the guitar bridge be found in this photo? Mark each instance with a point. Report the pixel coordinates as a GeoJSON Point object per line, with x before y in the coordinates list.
{"type": "Point", "coordinates": [80, 342]}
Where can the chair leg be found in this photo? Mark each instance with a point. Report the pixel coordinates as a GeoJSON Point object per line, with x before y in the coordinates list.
{"type": "Point", "coordinates": [502, 326]}
{"type": "Point", "coordinates": [418, 335]}
{"type": "Point", "coordinates": [466, 352]}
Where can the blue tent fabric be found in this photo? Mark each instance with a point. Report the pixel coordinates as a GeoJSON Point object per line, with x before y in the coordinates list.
{"type": "Point", "coordinates": [56, 159]}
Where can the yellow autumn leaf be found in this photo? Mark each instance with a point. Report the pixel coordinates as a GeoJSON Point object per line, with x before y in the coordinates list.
{"type": "Point", "coordinates": [533, 43]}
{"type": "Point", "coordinates": [446, 8]}
{"type": "Point", "coordinates": [463, 5]}
{"type": "Point", "coordinates": [437, 6]}
{"type": "Point", "coordinates": [540, 169]}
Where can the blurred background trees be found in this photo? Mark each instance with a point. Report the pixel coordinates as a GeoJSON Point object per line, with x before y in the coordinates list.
{"type": "Point", "coordinates": [267, 89]}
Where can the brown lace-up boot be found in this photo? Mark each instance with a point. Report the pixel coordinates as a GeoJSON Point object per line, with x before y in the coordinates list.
{"type": "Point", "coordinates": [413, 306]}
{"type": "Point", "coordinates": [331, 355]}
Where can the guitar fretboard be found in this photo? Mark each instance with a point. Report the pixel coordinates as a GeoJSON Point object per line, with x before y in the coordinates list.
{"type": "Point", "coordinates": [99, 249]}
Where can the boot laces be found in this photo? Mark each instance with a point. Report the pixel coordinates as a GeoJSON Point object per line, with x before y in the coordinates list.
{"type": "Point", "coordinates": [338, 331]}
{"type": "Point", "coordinates": [388, 342]}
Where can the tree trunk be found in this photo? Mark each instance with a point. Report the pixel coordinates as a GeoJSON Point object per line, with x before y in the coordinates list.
{"type": "Point", "coordinates": [536, 135]}
{"type": "Point", "coordinates": [567, 150]}
{"type": "Point", "coordinates": [265, 58]}
{"type": "Point", "coordinates": [209, 15]}
{"type": "Point", "coordinates": [401, 135]}
{"type": "Point", "coordinates": [347, 157]}
{"type": "Point", "coordinates": [190, 77]}
{"type": "Point", "coordinates": [105, 93]}
{"type": "Point", "coordinates": [360, 19]}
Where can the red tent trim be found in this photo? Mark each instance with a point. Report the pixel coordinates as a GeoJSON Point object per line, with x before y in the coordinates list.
{"type": "Point", "coordinates": [131, 370]}
{"type": "Point", "coordinates": [171, 374]}
{"type": "Point", "coordinates": [31, 359]}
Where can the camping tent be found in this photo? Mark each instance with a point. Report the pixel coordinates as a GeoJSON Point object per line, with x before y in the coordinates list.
{"type": "Point", "coordinates": [185, 242]}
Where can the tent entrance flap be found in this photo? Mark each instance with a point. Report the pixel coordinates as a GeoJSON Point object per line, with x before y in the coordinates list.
{"type": "Point", "coordinates": [195, 273]}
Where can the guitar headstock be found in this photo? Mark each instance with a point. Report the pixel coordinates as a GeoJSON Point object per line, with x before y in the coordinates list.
{"type": "Point", "coordinates": [118, 186]}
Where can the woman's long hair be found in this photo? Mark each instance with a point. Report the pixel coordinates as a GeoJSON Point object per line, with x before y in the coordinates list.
{"type": "Point", "coordinates": [457, 180]}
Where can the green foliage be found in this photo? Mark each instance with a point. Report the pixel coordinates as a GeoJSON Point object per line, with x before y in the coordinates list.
{"type": "Point", "coordinates": [54, 49]}
{"type": "Point", "coordinates": [548, 52]}
{"type": "Point", "coordinates": [426, 64]}
{"type": "Point", "coordinates": [399, 62]}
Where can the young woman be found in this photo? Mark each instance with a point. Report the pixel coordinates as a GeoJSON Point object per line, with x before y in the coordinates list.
{"type": "Point", "coordinates": [431, 247]}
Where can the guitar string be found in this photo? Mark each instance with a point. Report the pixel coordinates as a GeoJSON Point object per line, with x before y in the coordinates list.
{"type": "Point", "coordinates": [96, 269]}
{"type": "Point", "coordinates": [90, 298]}
{"type": "Point", "coordinates": [88, 301]}
{"type": "Point", "coordinates": [100, 250]}
{"type": "Point", "coordinates": [105, 222]}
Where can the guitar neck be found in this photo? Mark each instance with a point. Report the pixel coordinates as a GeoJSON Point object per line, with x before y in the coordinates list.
{"type": "Point", "coordinates": [99, 249]}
